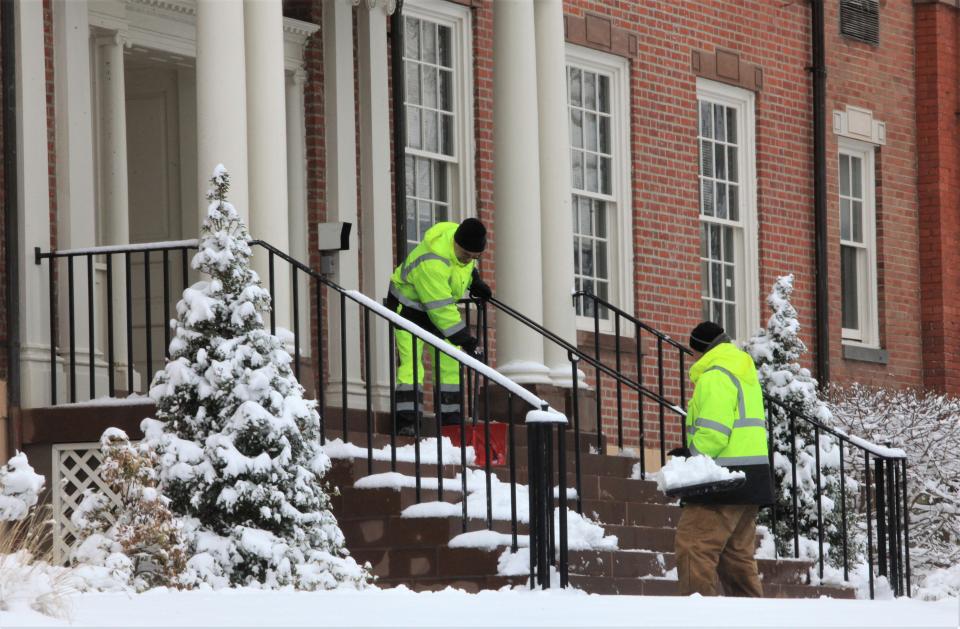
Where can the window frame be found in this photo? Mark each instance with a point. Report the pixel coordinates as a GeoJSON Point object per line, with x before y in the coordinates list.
{"type": "Point", "coordinates": [746, 256]}
{"type": "Point", "coordinates": [462, 200]}
{"type": "Point", "coordinates": [620, 221]}
{"type": "Point", "coordinates": [868, 335]}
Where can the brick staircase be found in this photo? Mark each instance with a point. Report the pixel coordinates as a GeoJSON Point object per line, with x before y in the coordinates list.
{"type": "Point", "coordinates": [415, 552]}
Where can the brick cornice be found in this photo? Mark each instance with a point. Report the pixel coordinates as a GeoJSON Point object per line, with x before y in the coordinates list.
{"type": "Point", "coordinates": [599, 33]}
{"type": "Point", "coordinates": [726, 66]}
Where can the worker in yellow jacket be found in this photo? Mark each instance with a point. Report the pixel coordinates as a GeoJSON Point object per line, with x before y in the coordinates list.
{"type": "Point", "coordinates": [716, 536]}
{"type": "Point", "coordinates": [425, 289]}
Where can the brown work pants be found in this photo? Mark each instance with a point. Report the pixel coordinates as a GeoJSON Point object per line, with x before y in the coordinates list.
{"type": "Point", "coordinates": [717, 540]}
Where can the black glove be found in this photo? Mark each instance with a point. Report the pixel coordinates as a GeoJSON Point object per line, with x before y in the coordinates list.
{"type": "Point", "coordinates": [465, 341]}
{"type": "Point", "coordinates": [479, 288]}
{"type": "Point", "coordinates": [684, 452]}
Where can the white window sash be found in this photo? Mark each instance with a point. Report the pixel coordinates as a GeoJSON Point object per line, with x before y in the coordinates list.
{"type": "Point", "coordinates": [620, 217]}
{"type": "Point", "coordinates": [746, 232]}
{"type": "Point", "coordinates": [868, 334]}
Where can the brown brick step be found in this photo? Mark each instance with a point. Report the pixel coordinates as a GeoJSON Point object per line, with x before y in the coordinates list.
{"type": "Point", "coordinates": [345, 472]}
{"type": "Point", "coordinates": [428, 562]}
{"type": "Point", "coordinates": [399, 532]}
{"type": "Point", "coordinates": [669, 587]}
{"type": "Point", "coordinates": [361, 503]}
{"type": "Point", "coordinates": [468, 584]}
{"type": "Point", "coordinates": [619, 512]}
{"type": "Point", "coordinates": [659, 539]}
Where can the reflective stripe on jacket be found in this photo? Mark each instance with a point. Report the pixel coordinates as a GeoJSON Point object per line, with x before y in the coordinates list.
{"type": "Point", "coordinates": [433, 280]}
{"type": "Point", "coordinates": [725, 421]}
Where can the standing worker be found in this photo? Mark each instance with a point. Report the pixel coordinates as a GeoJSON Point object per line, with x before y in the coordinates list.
{"type": "Point", "coordinates": [716, 536]}
{"type": "Point", "coordinates": [425, 289]}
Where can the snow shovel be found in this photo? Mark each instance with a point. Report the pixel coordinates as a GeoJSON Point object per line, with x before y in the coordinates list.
{"type": "Point", "coordinates": [705, 489]}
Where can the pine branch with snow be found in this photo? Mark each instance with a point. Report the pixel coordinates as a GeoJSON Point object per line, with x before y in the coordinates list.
{"type": "Point", "coordinates": [239, 446]}
{"type": "Point", "coordinates": [927, 426]}
{"type": "Point", "coordinates": [777, 350]}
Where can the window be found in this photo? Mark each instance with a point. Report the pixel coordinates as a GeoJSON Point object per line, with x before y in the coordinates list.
{"type": "Point", "coordinates": [598, 104]}
{"type": "Point", "coordinates": [438, 103]}
{"type": "Point", "coordinates": [858, 258]}
{"type": "Point", "coordinates": [728, 225]}
{"type": "Point", "coordinates": [860, 20]}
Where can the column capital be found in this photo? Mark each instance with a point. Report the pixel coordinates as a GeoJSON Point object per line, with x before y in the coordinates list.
{"type": "Point", "coordinates": [389, 6]}
{"type": "Point", "coordinates": [299, 76]}
{"type": "Point", "coordinates": [111, 38]}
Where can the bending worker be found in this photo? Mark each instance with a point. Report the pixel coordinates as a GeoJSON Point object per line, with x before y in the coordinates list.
{"type": "Point", "coordinates": [716, 536]}
{"type": "Point", "coordinates": [425, 289]}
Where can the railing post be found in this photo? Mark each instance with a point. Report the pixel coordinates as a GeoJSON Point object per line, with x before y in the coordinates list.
{"type": "Point", "coordinates": [540, 424]}
{"type": "Point", "coordinates": [575, 404]}
{"type": "Point", "coordinates": [906, 528]}
{"type": "Point", "coordinates": [893, 525]}
{"type": "Point", "coordinates": [660, 392]}
{"type": "Point", "coordinates": [793, 487]}
{"type": "Point", "coordinates": [816, 445]}
{"type": "Point", "coordinates": [880, 483]}
{"type": "Point", "coordinates": [866, 473]}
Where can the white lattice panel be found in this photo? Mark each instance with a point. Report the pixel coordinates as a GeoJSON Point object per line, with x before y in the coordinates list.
{"type": "Point", "coordinates": [74, 471]}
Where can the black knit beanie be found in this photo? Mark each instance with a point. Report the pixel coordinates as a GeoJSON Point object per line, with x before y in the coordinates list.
{"type": "Point", "coordinates": [704, 335]}
{"type": "Point", "coordinates": [471, 235]}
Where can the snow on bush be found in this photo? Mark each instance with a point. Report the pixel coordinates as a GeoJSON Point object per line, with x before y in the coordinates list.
{"type": "Point", "coordinates": [695, 470]}
{"type": "Point", "coordinates": [777, 350]}
{"type": "Point", "coordinates": [926, 426]}
{"type": "Point", "coordinates": [127, 536]}
{"type": "Point", "coordinates": [20, 487]}
{"type": "Point", "coordinates": [239, 446]}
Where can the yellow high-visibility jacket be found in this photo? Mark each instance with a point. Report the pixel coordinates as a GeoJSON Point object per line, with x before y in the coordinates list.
{"type": "Point", "coordinates": [432, 280]}
{"type": "Point", "coordinates": [725, 421]}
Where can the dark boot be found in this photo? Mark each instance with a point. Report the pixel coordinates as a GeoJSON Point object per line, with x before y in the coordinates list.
{"type": "Point", "coordinates": [451, 408]}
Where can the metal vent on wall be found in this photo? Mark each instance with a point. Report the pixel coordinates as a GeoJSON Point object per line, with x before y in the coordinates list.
{"type": "Point", "coordinates": [860, 20]}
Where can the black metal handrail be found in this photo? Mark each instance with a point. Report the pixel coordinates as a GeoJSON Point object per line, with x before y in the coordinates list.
{"type": "Point", "coordinates": [543, 537]}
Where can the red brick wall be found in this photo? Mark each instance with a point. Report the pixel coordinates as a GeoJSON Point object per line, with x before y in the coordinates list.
{"type": "Point", "coordinates": [880, 79]}
{"type": "Point", "coordinates": [937, 73]}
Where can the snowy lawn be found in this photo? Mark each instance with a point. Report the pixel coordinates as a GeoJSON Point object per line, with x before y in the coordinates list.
{"type": "Point", "coordinates": [450, 608]}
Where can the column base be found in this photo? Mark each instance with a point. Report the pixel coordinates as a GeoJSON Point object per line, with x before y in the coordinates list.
{"type": "Point", "coordinates": [560, 398]}
{"type": "Point", "coordinates": [526, 372]}
{"type": "Point", "coordinates": [35, 377]}
{"type": "Point", "coordinates": [560, 376]}
{"type": "Point", "coordinates": [356, 393]}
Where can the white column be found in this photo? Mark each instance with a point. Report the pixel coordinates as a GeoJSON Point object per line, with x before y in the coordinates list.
{"type": "Point", "coordinates": [375, 197]}
{"type": "Point", "coordinates": [76, 214]}
{"type": "Point", "coordinates": [222, 99]}
{"type": "Point", "coordinates": [556, 235]}
{"type": "Point", "coordinates": [341, 197]}
{"type": "Point", "coordinates": [114, 191]}
{"type": "Point", "coordinates": [516, 189]}
{"type": "Point", "coordinates": [33, 206]}
{"type": "Point", "coordinates": [297, 195]}
{"type": "Point", "coordinates": [267, 140]}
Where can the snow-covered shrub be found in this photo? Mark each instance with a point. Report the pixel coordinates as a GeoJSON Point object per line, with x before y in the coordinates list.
{"type": "Point", "coordinates": [239, 448]}
{"type": "Point", "coordinates": [20, 488]}
{"type": "Point", "coordinates": [127, 536]}
{"type": "Point", "coordinates": [777, 350]}
{"type": "Point", "coordinates": [926, 426]}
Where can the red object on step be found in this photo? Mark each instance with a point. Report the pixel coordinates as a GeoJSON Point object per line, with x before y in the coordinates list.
{"type": "Point", "coordinates": [474, 435]}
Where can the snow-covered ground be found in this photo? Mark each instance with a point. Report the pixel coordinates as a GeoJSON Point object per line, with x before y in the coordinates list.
{"type": "Point", "coordinates": [450, 608]}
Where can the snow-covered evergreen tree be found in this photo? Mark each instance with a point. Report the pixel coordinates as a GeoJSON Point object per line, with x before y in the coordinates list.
{"type": "Point", "coordinates": [239, 446]}
{"type": "Point", "coordinates": [777, 351]}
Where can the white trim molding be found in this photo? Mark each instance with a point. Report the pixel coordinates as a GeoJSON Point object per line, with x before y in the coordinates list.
{"type": "Point", "coordinates": [620, 226]}
{"type": "Point", "coordinates": [856, 123]}
{"type": "Point", "coordinates": [746, 235]}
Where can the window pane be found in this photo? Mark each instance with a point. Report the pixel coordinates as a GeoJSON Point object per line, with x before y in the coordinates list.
{"type": "Point", "coordinates": [730, 321]}
{"type": "Point", "coordinates": [575, 87]}
{"type": "Point", "coordinates": [845, 219]}
{"type": "Point", "coordinates": [733, 202]}
{"type": "Point", "coordinates": [728, 283]}
{"type": "Point", "coordinates": [716, 279]}
{"type": "Point", "coordinates": [603, 88]}
{"type": "Point", "coordinates": [703, 239]}
{"type": "Point", "coordinates": [446, 134]}
{"type": "Point", "coordinates": [720, 161]}
{"type": "Point", "coordinates": [704, 278]}
{"type": "Point", "coordinates": [443, 44]}
{"type": "Point", "coordinates": [589, 90]}
{"type": "Point", "coordinates": [857, 221]}
{"type": "Point", "coordinates": [705, 310]}
{"type": "Point", "coordinates": [732, 172]}
{"type": "Point", "coordinates": [706, 158]}
{"type": "Point", "coordinates": [602, 260]}
{"type": "Point", "coordinates": [605, 134]}
{"type": "Point", "coordinates": [590, 131]}
{"type": "Point", "coordinates": [431, 135]}
{"type": "Point", "coordinates": [423, 179]}
{"type": "Point", "coordinates": [429, 42]}
{"type": "Point", "coordinates": [586, 218]}
{"type": "Point", "coordinates": [707, 200]}
{"type": "Point", "coordinates": [576, 128]}
{"type": "Point", "coordinates": [576, 257]}
{"type": "Point", "coordinates": [590, 169]}
{"type": "Point", "coordinates": [576, 164]}
{"type": "Point", "coordinates": [715, 251]}
{"type": "Point", "coordinates": [425, 217]}
{"type": "Point", "coordinates": [439, 175]}
{"type": "Point", "coordinates": [606, 176]}
{"type": "Point", "coordinates": [718, 123]}
{"type": "Point", "coordinates": [430, 88]}
{"type": "Point", "coordinates": [845, 175]}
{"type": "Point", "coordinates": [706, 120]}
{"type": "Point", "coordinates": [412, 78]}
{"type": "Point", "coordinates": [731, 126]}
{"type": "Point", "coordinates": [721, 200]}
{"type": "Point", "coordinates": [728, 244]}
{"type": "Point", "coordinates": [717, 312]}
{"type": "Point", "coordinates": [409, 174]}
{"type": "Point", "coordinates": [848, 286]}
{"type": "Point", "coordinates": [446, 90]}
{"type": "Point", "coordinates": [413, 127]}
{"type": "Point", "coordinates": [411, 39]}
